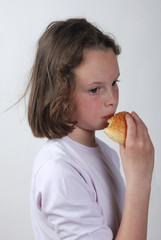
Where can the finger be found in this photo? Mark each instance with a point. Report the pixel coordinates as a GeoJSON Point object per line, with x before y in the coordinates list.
{"type": "Point", "coordinates": [137, 118]}
{"type": "Point", "coordinates": [131, 129]}
{"type": "Point", "coordinates": [141, 129]}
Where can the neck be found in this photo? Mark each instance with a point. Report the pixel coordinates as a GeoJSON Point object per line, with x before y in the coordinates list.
{"type": "Point", "coordinates": [83, 136]}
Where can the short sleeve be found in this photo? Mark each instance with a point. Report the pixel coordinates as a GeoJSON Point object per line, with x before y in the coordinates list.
{"type": "Point", "coordinates": [68, 203]}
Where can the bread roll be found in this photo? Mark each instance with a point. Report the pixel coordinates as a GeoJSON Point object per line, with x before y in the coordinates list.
{"type": "Point", "coordinates": [117, 127]}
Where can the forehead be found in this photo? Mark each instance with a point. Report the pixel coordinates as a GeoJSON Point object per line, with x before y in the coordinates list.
{"type": "Point", "coordinates": [97, 65]}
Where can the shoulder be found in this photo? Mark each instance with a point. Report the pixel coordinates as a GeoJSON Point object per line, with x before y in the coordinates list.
{"type": "Point", "coordinates": [55, 171]}
{"type": "Point", "coordinates": [50, 152]}
{"type": "Point", "coordinates": [53, 154]}
{"type": "Point", "coordinates": [55, 163]}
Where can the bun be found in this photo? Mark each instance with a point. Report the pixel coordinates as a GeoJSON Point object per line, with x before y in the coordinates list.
{"type": "Point", "coordinates": [117, 127]}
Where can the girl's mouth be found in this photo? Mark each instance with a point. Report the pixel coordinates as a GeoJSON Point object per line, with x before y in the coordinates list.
{"type": "Point", "coordinates": [108, 116]}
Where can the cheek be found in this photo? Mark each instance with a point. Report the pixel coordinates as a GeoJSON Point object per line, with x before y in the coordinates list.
{"type": "Point", "coordinates": [89, 107]}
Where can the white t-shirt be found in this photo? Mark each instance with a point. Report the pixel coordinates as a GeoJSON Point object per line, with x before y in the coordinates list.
{"type": "Point", "coordinates": [77, 192]}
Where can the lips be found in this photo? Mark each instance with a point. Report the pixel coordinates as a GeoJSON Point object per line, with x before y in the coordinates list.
{"type": "Point", "coordinates": [108, 116]}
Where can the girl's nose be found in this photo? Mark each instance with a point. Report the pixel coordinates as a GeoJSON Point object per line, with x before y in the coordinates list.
{"type": "Point", "coordinates": [111, 98]}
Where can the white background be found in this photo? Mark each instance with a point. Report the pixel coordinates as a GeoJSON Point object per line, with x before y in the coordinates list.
{"type": "Point", "coordinates": [136, 26]}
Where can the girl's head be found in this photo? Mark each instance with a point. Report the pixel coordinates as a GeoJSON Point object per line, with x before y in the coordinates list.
{"type": "Point", "coordinates": [60, 51]}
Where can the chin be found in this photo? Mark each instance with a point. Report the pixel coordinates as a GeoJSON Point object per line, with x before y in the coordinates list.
{"type": "Point", "coordinates": [102, 126]}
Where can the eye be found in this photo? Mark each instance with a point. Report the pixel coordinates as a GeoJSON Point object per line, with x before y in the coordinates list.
{"type": "Point", "coordinates": [115, 82]}
{"type": "Point", "coordinates": [94, 90]}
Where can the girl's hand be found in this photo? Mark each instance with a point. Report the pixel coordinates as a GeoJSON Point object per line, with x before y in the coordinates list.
{"type": "Point", "coordinates": [138, 153]}
{"type": "Point", "coordinates": [138, 161]}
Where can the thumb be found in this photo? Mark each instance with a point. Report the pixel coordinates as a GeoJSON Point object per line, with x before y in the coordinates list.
{"type": "Point", "coordinates": [131, 129]}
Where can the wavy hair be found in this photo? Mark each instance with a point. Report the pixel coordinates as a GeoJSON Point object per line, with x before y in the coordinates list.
{"type": "Point", "coordinates": [52, 85]}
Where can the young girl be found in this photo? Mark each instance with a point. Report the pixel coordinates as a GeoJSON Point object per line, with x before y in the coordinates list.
{"type": "Point", "coordinates": [77, 190]}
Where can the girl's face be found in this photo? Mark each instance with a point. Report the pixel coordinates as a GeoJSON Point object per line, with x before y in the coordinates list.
{"type": "Point", "coordinates": [96, 93]}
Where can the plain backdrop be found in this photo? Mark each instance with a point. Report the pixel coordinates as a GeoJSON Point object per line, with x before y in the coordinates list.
{"type": "Point", "coordinates": [136, 25]}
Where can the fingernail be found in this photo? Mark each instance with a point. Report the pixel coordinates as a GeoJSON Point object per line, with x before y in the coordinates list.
{"type": "Point", "coordinates": [133, 112]}
{"type": "Point", "coordinates": [127, 116]}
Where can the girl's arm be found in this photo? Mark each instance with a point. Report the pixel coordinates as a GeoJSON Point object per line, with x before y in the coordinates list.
{"type": "Point", "coordinates": [138, 161]}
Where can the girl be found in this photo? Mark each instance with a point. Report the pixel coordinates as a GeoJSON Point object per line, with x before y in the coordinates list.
{"type": "Point", "coordinates": [77, 191]}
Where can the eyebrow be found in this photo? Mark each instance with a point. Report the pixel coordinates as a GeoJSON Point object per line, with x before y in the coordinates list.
{"type": "Point", "coordinates": [102, 82]}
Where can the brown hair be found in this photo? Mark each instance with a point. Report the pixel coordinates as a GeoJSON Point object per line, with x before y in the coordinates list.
{"type": "Point", "coordinates": [60, 50]}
